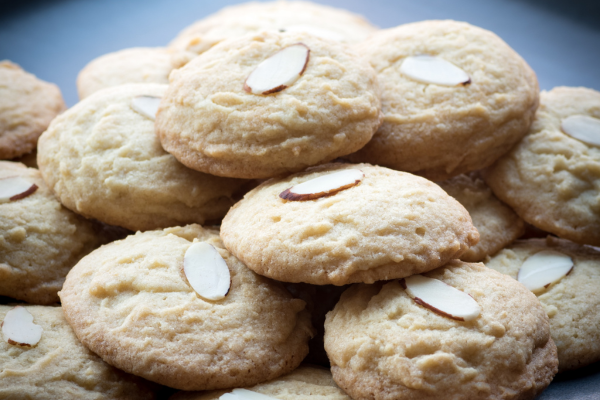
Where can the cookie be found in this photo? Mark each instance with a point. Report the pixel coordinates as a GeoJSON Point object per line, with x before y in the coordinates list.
{"type": "Point", "coordinates": [211, 120]}
{"type": "Point", "coordinates": [442, 129]}
{"type": "Point", "coordinates": [60, 367]}
{"type": "Point", "coordinates": [304, 383]}
{"type": "Point", "coordinates": [572, 303]}
{"type": "Point", "coordinates": [102, 160]}
{"type": "Point", "coordinates": [134, 65]}
{"type": "Point", "coordinates": [234, 21]}
{"type": "Point", "coordinates": [384, 345]}
{"type": "Point", "coordinates": [390, 225]}
{"type": "Point", "coordinates": [497, 224]}
{"type": "Point", "coordinates": [27, 105]}
{"type": "Point", "coordinates": [131, 303]}
{"type": "Point", "coordinates": [40, 240]}
{"type": "Point", "coordinates": [551, 178]}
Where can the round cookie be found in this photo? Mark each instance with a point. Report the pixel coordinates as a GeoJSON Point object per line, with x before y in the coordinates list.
{"type": "Point", "coordinates": [383, 345]}
{"type": "Point", "coordinates": [134, 65]}
{"type": "Point", "coordinates": [572, 303]}
{"type": "Point", "coordinates": [550, 178]}
{"type": "Point", "coordinates": [130, 303]}
{"type": "Point", "coordinates": [40, 240]}
{"type": "Point", "coordinates": [212, 124]}
{"type": "Point", "coordinates": [391, 225]}
{"type": "Point", "coordinates": [304, 383]}
{"type": "Point", "coordinates": [441, 131]}
{"type": "Point", "coordinates": [497, 224]}
{"type": "Point", "coordinates": [238, 20]}
{"type": "Point", "coordinates": [27, 105]}
{"type": "Point", "coordinates": [60, 367]}
{"type": "Point", "coordinates": [102, 159]}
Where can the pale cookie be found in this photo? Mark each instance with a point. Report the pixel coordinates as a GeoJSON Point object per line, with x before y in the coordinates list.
{"type": "Point", "coordinates": [551, 178]}
{"type": "Point", "coordinates": [390, 225]}
{"type": "Point", "coordinates": [384, 345]}
{"type": "Point", "coordinates": [40, 240]}
{"type": "Point", "coordinates": [437, 130]}
{"type": "Point", "coordinates": [102, 159]}
{"type": "Point", "coordinates": [27, 105]}
{"type": "Point", "coordinates": [132, 303]}
{"type": "Point", "coordinates": [497, 224]}
{"type": "Point", "coordinates": [572, 302]}
{"type": "Point", "coordinates": [60, 367]}
{"type": "Point", "coordinates": [326, 22]}
{"type": "Point", "coordinates": [134, 65]}
{"type": "Point", "coordinates": [305, 383]}
{"type": "Point", "coordinates": [211, 121]}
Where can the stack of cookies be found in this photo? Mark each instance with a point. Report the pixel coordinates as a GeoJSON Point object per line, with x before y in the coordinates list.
{"type": "Point", "coordinates": [294, 186]}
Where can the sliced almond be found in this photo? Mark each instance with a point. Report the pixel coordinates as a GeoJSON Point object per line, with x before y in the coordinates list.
{"type": "Point", "coordinates": [583, 128]}
{"type": "Point", "coordinates": [146, 105]}
{"type": "Point", "coordinates": [18, 328]}
{"type": "Point", "coordinates": [206, 271]}
{"type": "Point", "coordinates": [15, 188]}
{"type": "Point", "coordinates": [441, 298]}
{"type": "Point", "coordinates": [279, 71]}
{"type": "Point", "coordinates": [315, 31]}
{"type": "Point", "coordinates": [244, 394]}
{"type": "Point", "coordinates": [436, 70]}
{"type": "Point", "coordinates": [325, 185]}
{"type": "Point", "coordinates": [544, 268]}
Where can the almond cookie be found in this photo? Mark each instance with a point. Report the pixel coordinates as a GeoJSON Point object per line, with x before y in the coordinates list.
{"type": "Point", "coordinates": [102, 159]}
{"type": "Point", "coordinates": [383, 344]}
{"type": "Point", "coordinates": [497, 224]}
{"type": "Point", "coordinates": [384, 224]}
{"type": "Point", "coordinates": [455, 98]}
{"type": "Point", "coordinates": [571, 298]}
{"type": "Point", "coordinates": [57, 366]}
{"type": "Point", "coordinates": [134, 65]}
{"type": "Point", "coordinates": [27, 105]}
{"type": "Point", "coordinates": [40, 240]}
{"type": "Point", "coordinates": [234, 110]}
{"type": "Point", "coordinates": [132, 303]}
{"type": "Point", "coordinates": [551, 177]}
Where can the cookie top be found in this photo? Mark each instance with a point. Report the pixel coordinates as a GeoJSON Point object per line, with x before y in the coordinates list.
{"type": "Point", "coordinates": [102, 159]}
{"type": "Point", "coordinates": [497, 224]}
{"type": "Point", "coordinates": [27, 105]}
{"type": "Point", "coordinates": [572, 303]}
{"type": "Point", "coordinates": [441, 131]}
{"type": "Point", "coordinates": [134, 65]}
{"type": "Point", "coordinates": [392, 224]}
{"type": "Point", "coordinates": [211, 123]}
{"type": "Point", "coordinates": [130, 302]}
{"type": "Point", "coordinates": [383, 345]}
{"type": "Point", "coordinates": [550, 178]}
{"type": "Point", "coordinates": [327, 22]}
{"type": "Point", "coordinates": [305, 382]}
{"type": "Point", "coordinates": [60, 367]}
{"type": "Point", "coordinates": [40, 240]}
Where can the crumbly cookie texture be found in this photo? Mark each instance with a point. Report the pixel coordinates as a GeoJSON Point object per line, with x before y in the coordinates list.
{"type": "Point", "coordinates": [102, 159]}
{"type": "Point", "coordinates": [498, 225]}
{"type": "Point", "coordinates": [134, 65]}
{"type": "Point", "coordinates": [27, 105]}
{"type": "Point", "coordinates": [305, 382]}
{"type": "Point", "coordinates": [40, 240]}
{"type": "Point", "coordinates": [383, 345]}
{"type": "Point", "coordinates": [551, 179]}
{"type": "Point", "coordinates": [238, 20]}
{"type": "Point", "coordinates": [60, 367]}
{"type": "Point", "coordinates": [130, 303]}
{"type": "Point", "coordinates": [210, 123]}
{"type": "Point", "coordinates": [573, 303]}
{"type": "Point", "coordinates": [393, 224]}
{"type": "Point", "coordinates": [442, 131]}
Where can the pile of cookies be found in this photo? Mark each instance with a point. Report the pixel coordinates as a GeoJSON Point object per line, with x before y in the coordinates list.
{"type": "Point", "coordinates": [299, 186]}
